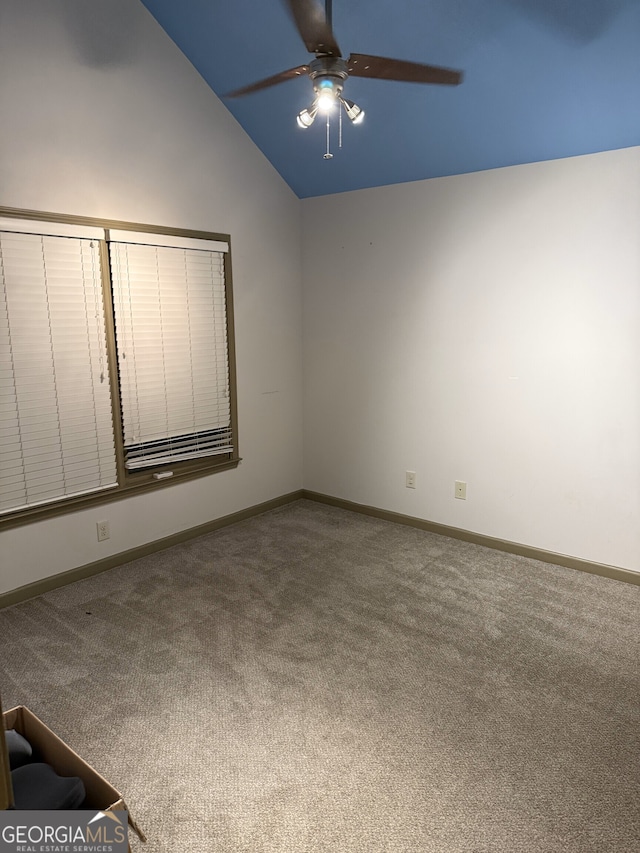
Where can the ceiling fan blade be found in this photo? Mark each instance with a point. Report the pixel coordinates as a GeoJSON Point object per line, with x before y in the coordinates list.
{"type": "Point", "coordinates": [313, 26]}
{"type": "Point", "coordinates": [269, 81]}
{"type": "Point", "coordinates": [362, 65]}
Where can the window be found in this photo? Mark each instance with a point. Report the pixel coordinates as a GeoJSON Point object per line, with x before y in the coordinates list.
{"type": "Point", "coordinates": [171, 331]}
{"type": "Point", "coordinates": [116, 359]}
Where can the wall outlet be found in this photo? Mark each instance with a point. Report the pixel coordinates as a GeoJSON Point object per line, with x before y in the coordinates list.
{"type": "Point", "coordinates": [103, 530]}
{"type": "Point", "coordinates": [410, 481]}
{"type": "Point", "coordinates": [461, 490]}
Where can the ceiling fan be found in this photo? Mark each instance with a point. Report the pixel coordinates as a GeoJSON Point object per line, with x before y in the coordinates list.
{"type": "Point", "coordinates": [329, 71]}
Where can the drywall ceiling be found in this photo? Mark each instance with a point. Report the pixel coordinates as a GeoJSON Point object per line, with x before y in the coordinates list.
{"type": "Point", "coordinates": [544, 79]}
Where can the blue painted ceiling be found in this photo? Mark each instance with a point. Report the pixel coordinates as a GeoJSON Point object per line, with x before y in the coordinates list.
{"type": "Point", "coordinates": [543, 79]}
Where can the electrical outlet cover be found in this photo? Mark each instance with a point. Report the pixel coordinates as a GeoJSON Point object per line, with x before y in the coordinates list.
{"type": "Point", "coordinates": [461, 490]}
{"type": "Point", "coordinates": [103, 530]}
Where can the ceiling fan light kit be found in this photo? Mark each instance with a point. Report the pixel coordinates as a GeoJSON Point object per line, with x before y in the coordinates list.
{"type": "Point", "coordinates": [328, 75]}
{"type": "Point", "coordinates": [329, 72]}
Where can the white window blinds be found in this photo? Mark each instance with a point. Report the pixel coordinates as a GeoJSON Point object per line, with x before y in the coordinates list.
{"type": "Point", "coordinates": [171, 333]}
{"type": "Point", "coordinates": [56, 426]}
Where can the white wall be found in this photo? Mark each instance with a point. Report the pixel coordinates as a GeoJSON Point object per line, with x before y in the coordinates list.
{"type": "Point", "coordinates": [482, 328]}
{"type": "Point", "coordinates": [103, 116]}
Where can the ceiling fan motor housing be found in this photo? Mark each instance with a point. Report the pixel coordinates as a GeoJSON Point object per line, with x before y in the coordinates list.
{"type": "Point", "coordinates": [328, 73]}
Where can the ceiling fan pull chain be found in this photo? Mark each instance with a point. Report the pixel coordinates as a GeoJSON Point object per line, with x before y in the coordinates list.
{"type": "Point", "coordinates": [339, 126]}
{"type": "Point", "coordinates": [328, 155]}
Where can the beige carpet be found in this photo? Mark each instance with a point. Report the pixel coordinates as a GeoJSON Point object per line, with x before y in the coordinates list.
{"type": "Point", "coordinates": [316, 680]}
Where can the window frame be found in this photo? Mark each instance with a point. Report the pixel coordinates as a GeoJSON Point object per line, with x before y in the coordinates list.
{"type": "Point", "coordinates": [137, 481]}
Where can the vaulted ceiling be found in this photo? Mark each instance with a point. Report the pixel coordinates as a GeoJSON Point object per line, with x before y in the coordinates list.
{"type": "Point", "coordinates": [543, 79]}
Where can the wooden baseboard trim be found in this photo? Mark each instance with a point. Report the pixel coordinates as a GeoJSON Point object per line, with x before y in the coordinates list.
{"type": "Point", "coordinates": [31, 590]}
{"type": "Point", "coordinates": [613, 572]}
{"type": "Point", "coordinates": [15, 596]}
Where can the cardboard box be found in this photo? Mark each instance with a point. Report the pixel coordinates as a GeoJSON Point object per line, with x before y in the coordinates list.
{"type": "Point", "coordinates": [6, 794]}
{"type": "Point", "coordinates": [101, 795]}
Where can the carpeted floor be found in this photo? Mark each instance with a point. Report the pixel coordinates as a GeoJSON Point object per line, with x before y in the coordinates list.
{"type": "Point", "coordinates": [316, 680]}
